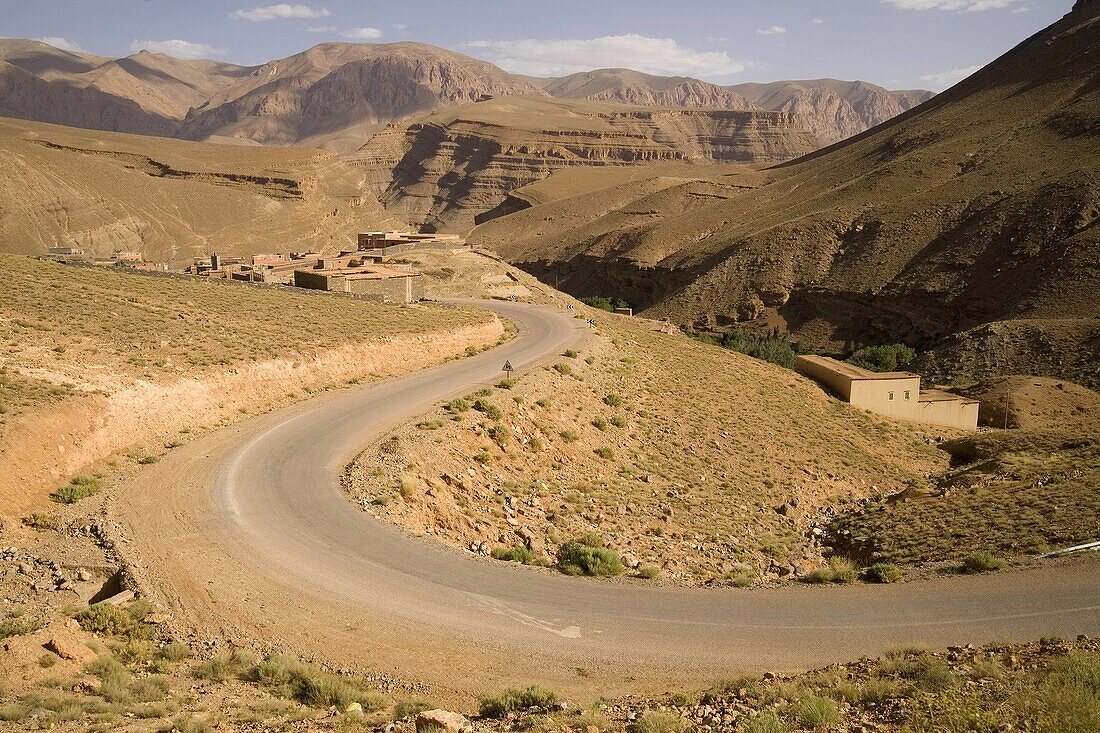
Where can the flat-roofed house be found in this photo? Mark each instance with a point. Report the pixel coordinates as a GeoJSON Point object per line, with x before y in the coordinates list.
{"type": "Point", "coordinates": [895, 394]}
{"type": "Point", "coordinates": [378, 282]}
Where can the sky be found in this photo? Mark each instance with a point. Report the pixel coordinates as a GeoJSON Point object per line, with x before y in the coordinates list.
{"type": "Point", "coordinates": [900, 44]}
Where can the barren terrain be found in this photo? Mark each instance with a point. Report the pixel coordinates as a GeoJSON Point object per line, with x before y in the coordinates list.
{"type": "Point", "coordinates": [173, 200]}
{"type": "Point", "coordinates": [100, 365]}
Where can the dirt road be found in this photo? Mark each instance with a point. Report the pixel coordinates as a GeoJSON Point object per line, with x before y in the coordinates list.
{"type": "Point", "coordinates": [245, 532]}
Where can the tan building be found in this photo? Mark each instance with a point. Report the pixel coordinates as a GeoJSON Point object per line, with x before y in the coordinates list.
{"type": "Point", "coordinates": [895, 394]}
{"type": "Point", "coordinates": [378, 282]}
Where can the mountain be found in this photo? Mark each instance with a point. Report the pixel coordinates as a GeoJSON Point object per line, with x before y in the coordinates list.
{"type": "Point", "coordinates": [448, 168]}
{"type": "Point", "coordinates": [978, 207]}
{"type": "Point", "coordinates": [833, 110]}
{"type": "Point", "coordinates": [634, 87]}
{"type": "Point", "coordinates": [340, 93]}
{"type": "Point", "coordinates": [171, 199]}
{"type": "Point", "coordinates": [336, 95]}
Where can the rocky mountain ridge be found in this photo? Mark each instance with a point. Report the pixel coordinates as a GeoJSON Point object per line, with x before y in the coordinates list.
{"type": "Point", "coordinates": [445, 170]}
{"type": "Point", "coordinates": [335, 95]}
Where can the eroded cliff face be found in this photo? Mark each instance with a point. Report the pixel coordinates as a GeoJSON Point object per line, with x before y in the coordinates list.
{"type": "Point", "coordinates": [442, 172]}
{"type": "Point", "coordinates": [632, 87]}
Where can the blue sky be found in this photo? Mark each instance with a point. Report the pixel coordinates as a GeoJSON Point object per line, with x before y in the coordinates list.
{"type": "Point", "coordinates": [897, 43]}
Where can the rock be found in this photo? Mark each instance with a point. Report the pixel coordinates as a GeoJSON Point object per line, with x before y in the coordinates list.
{"type": "Point", "coordinates": [74, 651]}
{"type": "Point", "coordinates": [354, 708]}
{"type": "Point", "coordinates": [431, 721]}
{"type": "Point", "coordinates": [83, 575]}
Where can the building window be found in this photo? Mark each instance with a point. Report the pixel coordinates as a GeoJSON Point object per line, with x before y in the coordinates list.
{"type": "Point", "coordinates": [891, 395]}
{"type": "Point", "coordinates": [906, 394]}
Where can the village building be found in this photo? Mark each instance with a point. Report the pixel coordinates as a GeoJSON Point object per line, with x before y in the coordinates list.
{"type": "Point", "coordinates": [384, 283]}
{"type": "Point", "coordinates": [895, 394]}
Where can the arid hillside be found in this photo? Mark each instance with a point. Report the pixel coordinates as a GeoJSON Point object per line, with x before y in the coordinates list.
{"type": "Point", "coordinates": [445, 169]}
{"type": "Point", "coordinates": [105, 366]}
{"type": "Point", "coordinates": [832, 110]}
{"type": "Point", "coordinates": [172, 200]}
{"type": "Point", "coordinates": [979, 206]}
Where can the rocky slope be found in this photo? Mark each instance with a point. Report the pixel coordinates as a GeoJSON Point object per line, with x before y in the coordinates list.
{"type": "Point", "coordinates": [832, 110]}
{"type": "Point", "coordinates": [633, 87]}
{"type": "Point", "coordinates": [979, 206]}
{"type": "Point", "coordinates": [169, 199]}
{"type": "Point", "coordinates": [445, 169]}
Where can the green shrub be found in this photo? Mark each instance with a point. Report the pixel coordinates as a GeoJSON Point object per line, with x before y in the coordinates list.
{"type": "Point", "coordinates": [981, 562]}
{"type": "Point", "coordinates": [146, 460]}
{"type": "Point", "coordinates": [562, 368]}
{"type": "Point", "coordinates": [816, 712]}
{"type": "Point", "coordinates": [429, 424]}
{"type": "Point", "coordinates": [618, 421]}
{"type": "Point", "coordinates": [612, 399]}
{"type": "Point", "coordinates": [499, 434]}
{"type": "Point", "coordinates": [506, 383]}
{"type": "Point", "coordinates": [599, 423]}
{"type": "Point", "coordinates": [569, 354]}
{"type": "Point", "coordinates": [570, 436]}
{"type": "Point", "coordinates": [838, 570]}
{"type": "Point", "coordinates": [765, 722]}
{"type": "Point", "coordinates": [661, 721]}
{"type": "Point", "coordinates": [17, 627]}
{"type": "Point", "coordinates": [649, 572]}
{"type": "Point", "coordinates": [79, 487]}
{"type": "Point", "coordinates": [413, 706]}
{"type": "Point", "coordinates": [542, 402]}
{"type": "Point", "coordinates": [174, 652]}
{"type": "Point", "coordinates": [1069, 698]}
{"type": "Point", "coordinates": [605, 453]}
{"type": "Point", "coordinates": [487, 408]}
{"type": "Point", "coordinates": [587, 556]}
{"type": "Point", "coordinates": [511, 700]}
{"type": "Point", "coordinates": [882, 572]}
{"type": "Point", "coordinates": [519, 554]}
{"type": "Point", "coordinates": [309, 685]}
{"type": "Point", "coordinates": [458, 405]}
{"type": "Point", "coordinates": [223, 666]}
{"type": "Point", "coordinates": [885, 358]}
{"type": "Point", "coordinates": [105, 619]}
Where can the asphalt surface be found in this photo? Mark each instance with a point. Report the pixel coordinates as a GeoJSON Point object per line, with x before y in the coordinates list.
{"type": "Point", "coordinates": [328, 575]}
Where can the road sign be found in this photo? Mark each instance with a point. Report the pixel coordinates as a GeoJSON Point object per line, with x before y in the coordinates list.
{"type": "Point", "coordinates": [508, 367]}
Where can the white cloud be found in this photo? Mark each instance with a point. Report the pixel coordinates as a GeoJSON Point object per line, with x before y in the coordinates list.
{"type": "Point", "coordinates": [63, 43]}
{"type": "Point", "coordinates": [179, 49]}
{"type": "Point", "coordinates": [775, 30]}
{"type": "Point", "coordinates": [362, 34]}
{"type": "Point", "coordinates": [399, 26]}
{"type": "Point", "coordinates": [279, 11]}
{"type": "Point", "coordinates": [321, 28]}
{"type": "Point", "coordinates": [817, 21]}
{"type": "Point", "coordinates": [969, 6]}
{"type": "Point", "coordinates": [568, 56]}
{"type": "Point", "coordinates": [948, 78]}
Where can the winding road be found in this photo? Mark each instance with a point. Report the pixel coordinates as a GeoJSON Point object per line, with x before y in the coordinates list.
{"type": "Point", "coordinates": [245, 532]}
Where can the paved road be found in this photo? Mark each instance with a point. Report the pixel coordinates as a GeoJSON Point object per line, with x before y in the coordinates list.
{"type": "Point", "coordinates": [285, 553]}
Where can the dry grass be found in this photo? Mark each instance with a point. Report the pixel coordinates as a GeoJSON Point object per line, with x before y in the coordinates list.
{"type": "Point", "coordinates": [68, 330]}
{"type": "Point", "coordinates": [621, 444]}
{"type": "Point", "coordinates": [1015, 494]}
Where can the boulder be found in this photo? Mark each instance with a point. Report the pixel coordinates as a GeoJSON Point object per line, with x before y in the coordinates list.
{"type": "Point", "coordinates": [432, 721]}
{"type": "Point", "coordinates": [70, 649]}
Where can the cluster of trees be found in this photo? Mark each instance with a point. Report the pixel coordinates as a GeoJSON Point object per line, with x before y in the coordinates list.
{"type": "Point", "coordinates": [605, 304]}
{"type": "Point", "coordinates": [775, 347]}
{"type": "Point", "coordinates": [885, 358]}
